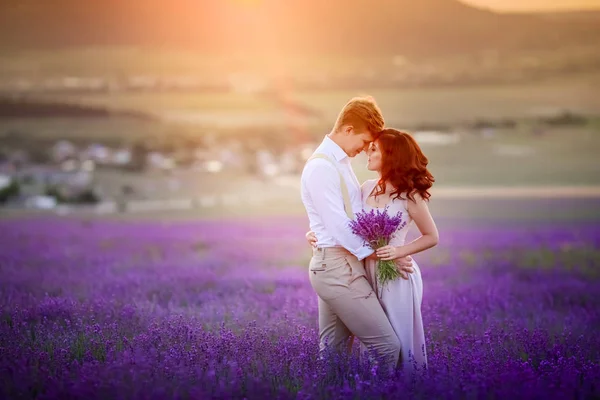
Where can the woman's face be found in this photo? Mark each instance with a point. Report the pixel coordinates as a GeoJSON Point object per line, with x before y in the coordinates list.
{"type": "Point", "coordinates": [374, 154]}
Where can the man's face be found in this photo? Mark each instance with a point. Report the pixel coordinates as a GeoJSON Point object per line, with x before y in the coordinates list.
{"type": "Point", "coordinates": [358, 142]}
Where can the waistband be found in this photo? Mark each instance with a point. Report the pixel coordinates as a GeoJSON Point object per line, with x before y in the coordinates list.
{"type": "Point", "coordinates": [330, 251]}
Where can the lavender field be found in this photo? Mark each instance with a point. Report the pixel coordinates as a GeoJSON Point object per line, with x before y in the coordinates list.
{"type": "Point", "coordinates": [214, 309]}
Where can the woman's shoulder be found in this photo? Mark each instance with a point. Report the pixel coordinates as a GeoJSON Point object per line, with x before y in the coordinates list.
{"type": "Point", "coordinates": [369, 183]}
{"type": "Point", "coordinates": [367, 187]}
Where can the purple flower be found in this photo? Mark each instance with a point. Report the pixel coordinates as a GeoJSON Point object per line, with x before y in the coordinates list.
{"type": "Point", "coordinates": [376, 228]}
{"type": "Point", "coordinates": [155, 310]}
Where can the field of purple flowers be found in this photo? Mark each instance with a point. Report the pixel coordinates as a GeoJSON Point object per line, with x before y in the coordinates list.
{"type": "Point", "coordinates": [209, 309]}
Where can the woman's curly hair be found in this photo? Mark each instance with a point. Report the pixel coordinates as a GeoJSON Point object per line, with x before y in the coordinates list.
{"type": "Point", "coordinates": [403, 165]}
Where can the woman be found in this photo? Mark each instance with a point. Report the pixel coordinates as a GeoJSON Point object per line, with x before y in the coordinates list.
{"type": "Point", "coordinates": [403, 186]}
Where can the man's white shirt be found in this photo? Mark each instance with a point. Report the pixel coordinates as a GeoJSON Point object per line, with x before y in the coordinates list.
{"type": "Point", "coordinates": [322, 197]}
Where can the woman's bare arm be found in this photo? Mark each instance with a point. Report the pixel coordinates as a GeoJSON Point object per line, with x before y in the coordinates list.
{"type": "Point", "coordinates": [419, 212]}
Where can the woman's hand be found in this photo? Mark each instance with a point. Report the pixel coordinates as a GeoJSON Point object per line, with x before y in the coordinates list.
{"type": "Point", "coordinates": [312, 238]}
{"type": "Point", "coordinates": [403, 263]}
{"type": "Point", "coordinates": [388, 253]}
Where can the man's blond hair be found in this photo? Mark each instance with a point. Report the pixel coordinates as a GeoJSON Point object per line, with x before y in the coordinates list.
{"type": "Point", "coordinates": [362, 113]}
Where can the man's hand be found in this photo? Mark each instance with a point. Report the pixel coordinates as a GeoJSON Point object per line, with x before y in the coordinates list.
{"type": "Point", "coordinates": [312, 238]}
{"type": "Point", "coordinates": [405, 267]}
{"type": "Point", "coordinates": [372, 257]}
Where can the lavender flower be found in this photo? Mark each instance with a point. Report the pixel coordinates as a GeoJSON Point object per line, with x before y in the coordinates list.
{"type": "Point", "coordinates": [376, 228]}
{"type": "Point", "coordinates": [169, 310]}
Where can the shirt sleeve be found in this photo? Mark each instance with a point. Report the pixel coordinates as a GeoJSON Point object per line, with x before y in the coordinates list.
{"type": "Point", "coordinates": [323, 186]}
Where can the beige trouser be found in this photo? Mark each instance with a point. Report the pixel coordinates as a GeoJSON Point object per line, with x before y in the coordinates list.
{"type": "Point", "coordinates": [348, 305]}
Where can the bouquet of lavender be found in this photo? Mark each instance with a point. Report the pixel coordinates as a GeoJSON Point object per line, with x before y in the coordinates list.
{"type": "Point", "coordinates": [376, 229]}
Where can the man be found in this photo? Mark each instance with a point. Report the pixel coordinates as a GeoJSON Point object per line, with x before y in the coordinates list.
{"type": "Point", "coordinates": [331, 195]}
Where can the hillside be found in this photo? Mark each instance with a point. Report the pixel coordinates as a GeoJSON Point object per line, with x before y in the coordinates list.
{"type": "Point", "coordinates": [293, 26]}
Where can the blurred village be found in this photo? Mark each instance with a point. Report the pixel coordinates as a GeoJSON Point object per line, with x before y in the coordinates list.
{"type": "Point", "coordinates": [67, 173]}
{"type": "Point", "coordinates": [203, 168]}
{"type": "Point", "coordinates": [195, 172]}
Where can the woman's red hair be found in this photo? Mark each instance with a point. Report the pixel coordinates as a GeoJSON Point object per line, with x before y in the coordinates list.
{"type": "Point", "coordinates": [403, 165]}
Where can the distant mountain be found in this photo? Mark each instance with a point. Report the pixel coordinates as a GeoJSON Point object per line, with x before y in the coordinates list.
{"type": "Point", "coordinates": [359, 27]}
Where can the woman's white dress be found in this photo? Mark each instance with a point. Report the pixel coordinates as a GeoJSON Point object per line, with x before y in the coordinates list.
{"type": "Point", "coordinates": [401, 299]}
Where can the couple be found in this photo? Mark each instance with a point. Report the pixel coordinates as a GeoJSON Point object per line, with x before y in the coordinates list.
{"type": "Point", "coordinates": [342, 270]}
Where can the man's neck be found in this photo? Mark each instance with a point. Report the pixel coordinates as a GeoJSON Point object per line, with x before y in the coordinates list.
{"type": "Point", "coordinates": [336, 139]}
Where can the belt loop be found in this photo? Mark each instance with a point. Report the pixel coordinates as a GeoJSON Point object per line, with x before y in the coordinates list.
{"type": "Point", "coordinates": [320, 253]}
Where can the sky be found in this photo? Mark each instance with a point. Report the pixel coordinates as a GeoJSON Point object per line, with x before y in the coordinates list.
{"type": "Point", "coordinates": [535, 5]}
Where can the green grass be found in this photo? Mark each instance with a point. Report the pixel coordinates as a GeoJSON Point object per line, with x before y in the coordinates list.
{"type": "Point", "coordinates": [444, 105]}
{"type": "Point", "coordinates": [115, 130]}
{"type": "Point", "coordinates": [401, 107]}
{"type": "Point", "coordinates": [563, 156]}
{"type": "Point", "coordinates": [159, 103]}
{"type": "Point", "coordinates": [447, 213]}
